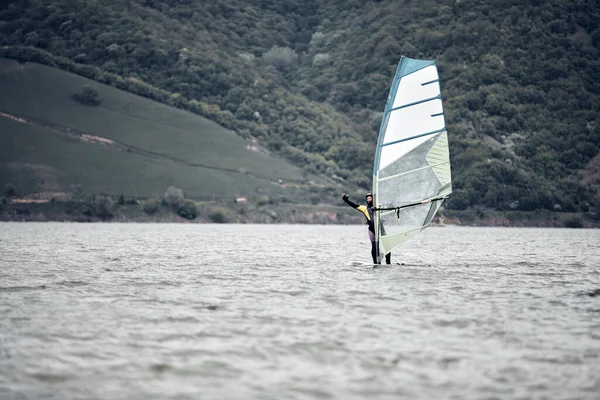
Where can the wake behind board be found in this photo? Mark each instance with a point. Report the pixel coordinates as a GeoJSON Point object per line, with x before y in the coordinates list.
{"type": "Point", "coordinates": [366, 264]}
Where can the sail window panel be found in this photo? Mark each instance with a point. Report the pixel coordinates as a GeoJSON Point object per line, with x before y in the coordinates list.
{"type": "Point", "coordinates": [416, 158]}
{"type": "Point", "coordinates": [418, 86]}
{"type": "Point", "coordinates": [399, 229]}
{"type": "Point", "coordinates": [393, 152]}
{"type": "Point", "coordinates": [415, 120]}
{"type": "Point", "coordinates": [410, 219]}
{"type": "Point", "coordinates": [415, 186]}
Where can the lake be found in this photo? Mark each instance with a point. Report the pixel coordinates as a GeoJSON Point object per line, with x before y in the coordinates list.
{"type": "Point", "coordinates": [192, 311]}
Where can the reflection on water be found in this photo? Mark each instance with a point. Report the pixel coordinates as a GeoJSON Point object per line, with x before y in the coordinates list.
{"type": "Point", "coordinates": [136, 311]}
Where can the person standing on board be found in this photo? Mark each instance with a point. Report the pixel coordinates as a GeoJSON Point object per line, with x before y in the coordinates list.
{"type": "Point", "coordinates": [368, 213]}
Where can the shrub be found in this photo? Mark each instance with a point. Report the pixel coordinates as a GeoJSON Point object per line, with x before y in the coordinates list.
{"type": "Point", "coordinates": [262, 200]}
{"type": "Point", "coordinates": [573, 222]}
{"type": "Point", "coordinates": [220, 215]}
{"type": "Point", "coordinates": [88, 210]}
{"type": "Point", "coordinates": [187, 210]}
{"type": "Point", "coordinates": [281, 57]}
{"type": "Point", "coordinates": [174, 197]}
{"type": "Point", "coordinates": [10, 190]}
{"type": "Point", "coordinates": [460, 200]}
{"type": "Point", "coordinates": [151, 206]}
{"type": "Point", "coordinates": [320, 58]}
{"type": "Point", "coordinates": [103, 207]}
{"type": "Point", "coordinates": [87, 96]}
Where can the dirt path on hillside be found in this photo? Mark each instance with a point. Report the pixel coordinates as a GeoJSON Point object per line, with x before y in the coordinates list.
{"type": "Point", "coordinates": [119, 146]}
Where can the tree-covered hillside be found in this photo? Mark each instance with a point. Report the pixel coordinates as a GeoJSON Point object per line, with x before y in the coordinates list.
{"type": "Point", "coordinates": [310, 78]}
{"type": "Point", "coordinates": [520, 80]}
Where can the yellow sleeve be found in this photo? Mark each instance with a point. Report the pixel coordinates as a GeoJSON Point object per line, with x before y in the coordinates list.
{"type": "Point", "coordinates": [365, 211]}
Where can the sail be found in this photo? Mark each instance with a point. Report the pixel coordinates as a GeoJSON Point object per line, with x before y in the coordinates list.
{"type": "Point", "coordinates": [411, 173]}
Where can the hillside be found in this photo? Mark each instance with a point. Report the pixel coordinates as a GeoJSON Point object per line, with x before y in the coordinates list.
{"type": "Point", "coordinates": [309, 79]}
{"type": "Point", "coordinates": [126, 144]}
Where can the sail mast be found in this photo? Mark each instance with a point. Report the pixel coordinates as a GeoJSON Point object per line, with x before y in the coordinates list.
{"type": "Point", "coordinates": [380, 137]}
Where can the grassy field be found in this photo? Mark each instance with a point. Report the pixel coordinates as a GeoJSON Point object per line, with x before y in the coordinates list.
{"type": "Point", "coordinates": [153, 146]}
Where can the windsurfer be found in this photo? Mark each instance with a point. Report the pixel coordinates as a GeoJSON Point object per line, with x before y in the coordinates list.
{"type": "Point", "coordinates": [368, 213]}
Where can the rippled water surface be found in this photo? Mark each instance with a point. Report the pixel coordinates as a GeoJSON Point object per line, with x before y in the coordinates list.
{"type": "Point", "coordinates": [166, 311]}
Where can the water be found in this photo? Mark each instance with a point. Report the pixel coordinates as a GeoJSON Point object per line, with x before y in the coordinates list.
{"type": "Point", "coordinates": [166, 311]}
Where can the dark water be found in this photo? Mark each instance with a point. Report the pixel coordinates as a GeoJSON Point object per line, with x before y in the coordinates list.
{"type": "Point", "coordinates": [138, 311]}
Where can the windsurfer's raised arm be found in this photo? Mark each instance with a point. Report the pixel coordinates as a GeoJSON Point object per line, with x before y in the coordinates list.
{"type": "Point", "coordinates": [351, 204]}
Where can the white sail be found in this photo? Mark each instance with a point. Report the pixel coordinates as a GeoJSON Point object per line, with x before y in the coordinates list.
{"type": "Point", "coordinates": [411, 173]}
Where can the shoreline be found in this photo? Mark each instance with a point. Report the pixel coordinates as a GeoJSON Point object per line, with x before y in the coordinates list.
{"type": "Point", "coordinates": [287, 213]}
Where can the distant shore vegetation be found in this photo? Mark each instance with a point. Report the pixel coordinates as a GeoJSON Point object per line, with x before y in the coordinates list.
{"type": "Point", "coordinates": [174, 206]}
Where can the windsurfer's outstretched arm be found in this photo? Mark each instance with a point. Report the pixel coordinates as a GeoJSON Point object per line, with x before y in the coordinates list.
{"type": "Point", "coordinates": [363, 209]}
{"type": "Point", "coordinates": [351, 204]}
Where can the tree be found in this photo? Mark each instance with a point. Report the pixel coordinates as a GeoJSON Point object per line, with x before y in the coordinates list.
{"type": "Point", "coordinates": [174, 197]}
{"type": "Point", "coordinates": [151, 206]}
{"type": "Point", "coordinates": [10, 190]}
{"type": "Point", "coordinates": [87, 96]}
{"type": "Point", "coordinates": [187, 210]}
{"type": "Point", "coordinates": [103, 207]}
{"type": "Point", "coordinates": [282, 58]}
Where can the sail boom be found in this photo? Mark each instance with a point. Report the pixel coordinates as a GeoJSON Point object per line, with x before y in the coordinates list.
{"type": "Point", "coordinates": [411, 204]}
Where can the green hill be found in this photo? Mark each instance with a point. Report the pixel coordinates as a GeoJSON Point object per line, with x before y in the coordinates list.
{"type": "Point", "coordinates": [309, 79]}
{"type": "Point", "coordinates": [126, 144]}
